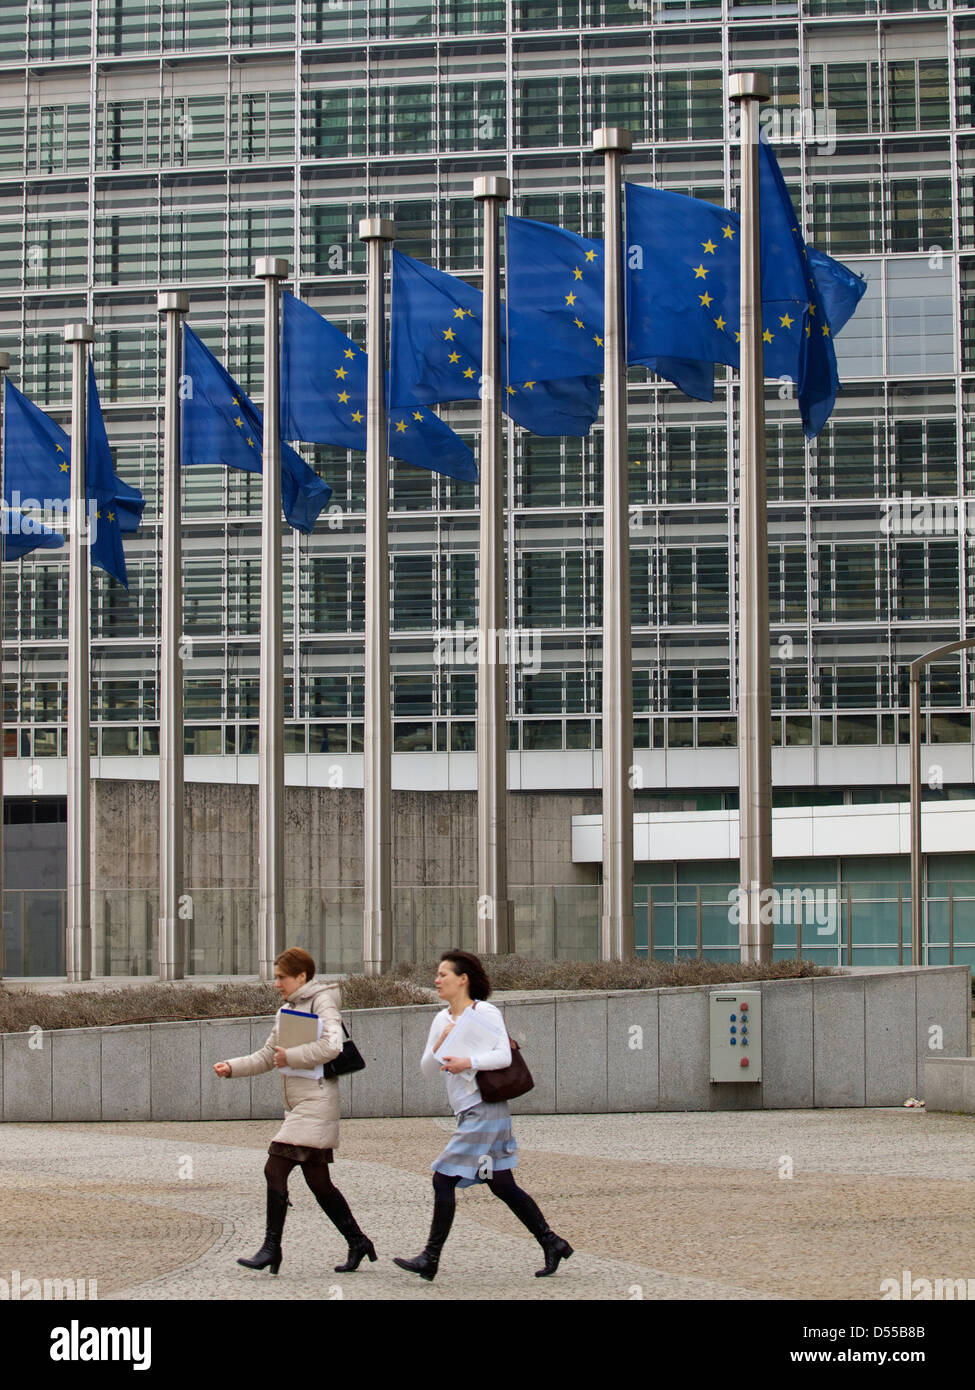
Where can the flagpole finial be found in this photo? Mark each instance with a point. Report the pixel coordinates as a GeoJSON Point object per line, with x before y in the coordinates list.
{"type": "Point", "coordinates": [271, 268]}
{"type": "Point", "coordinates": [612, 138]}
{"type": "Point", "coordinates": [79, 333]}
{"type": "Point", "coordinates": [377, 229]}
{"type": "Point", "coordinates": [173, 301]}
{"type": "Point", "coordinates": [748, 86]}
{"type": "Point", "coordinates": [491, 186]}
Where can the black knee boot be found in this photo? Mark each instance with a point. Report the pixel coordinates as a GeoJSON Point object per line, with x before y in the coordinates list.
{"type": "Point", "coordinates": [528, 1213]}
{"type": "Point", "coordinates": [427, 1263]}
{"type": "Point", "coordinates": [270, 1251]}
{"type": "Point", "coordinates": [337, 1209]}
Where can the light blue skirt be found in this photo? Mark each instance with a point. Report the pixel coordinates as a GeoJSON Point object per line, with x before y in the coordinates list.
{"type": "Point", "coordinates": [482, 1144]}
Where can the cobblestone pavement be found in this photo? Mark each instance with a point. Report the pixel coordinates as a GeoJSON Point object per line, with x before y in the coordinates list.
{"type": "Point", "coordinates": [752, 1205]}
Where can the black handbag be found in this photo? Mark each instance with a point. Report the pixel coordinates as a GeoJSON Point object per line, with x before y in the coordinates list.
{"type": "Point", "coordinates": [349, 1059]}
{"type": "Point", "coordinates": [507, 1082]}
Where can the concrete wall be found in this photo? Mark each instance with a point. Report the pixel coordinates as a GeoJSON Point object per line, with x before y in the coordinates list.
{"type": "Point", "coordinates": [949, 1084]}
{"type": "Point", "coordinates": [829, 1041]}
{"type": "Point", "coordinates": [434, 836]}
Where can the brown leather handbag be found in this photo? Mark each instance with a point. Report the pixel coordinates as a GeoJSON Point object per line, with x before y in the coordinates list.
{"type": "Point", "coordinates": [507, 1082]}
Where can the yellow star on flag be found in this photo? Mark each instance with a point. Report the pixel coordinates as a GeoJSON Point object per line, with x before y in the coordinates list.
{"type": "Point", "coordinates": [786, 321]}
{"type": "Point", "coordinates": [400, 426]}
{"type": "Point", "coordinates": [578, 323]}
{"type": "Point", "coordinates": [418, 415]}
{"type": "Point", "coordinates": [729, 232]}
{"type": "Point", "coordinates": [357, 417]}
{"type": "Point", "coordinates": [577, 273]}
{"type": "Point", "coordinates": [111, 516]}
{"type": "Point", "coordinates": [468, 371]}
{"type": "Point", "coordinates": [455, 357]}
{"type": "Point", "coordinates": [64, 468]}
{"type": "Point", "coordinates": [570, 299]}
{"type": "Point", "coordinates": [699, 272]}
{"type": "Point", "coordinates": [808, 330]}
{"type": "Point", "coordinates": [449, 334]}
{"type": "Point", "coordinates": [341, 373]}
{"type": "Point", "coordinates": [590, 255]}
{"type": "Point", "coordinates": [720, 322]}
{"type": "Point", "coordinates": [250, 441]}
{"type": "Point", "coordinates": [825, 330]}
{"type": "Point", "coordinates": [597, 340]}
{"type": "Point", "coordinates": [529, 386]}
{"type": "Point", "coordinates": [708, 246]}
{"type": "Point", "coordinates": [59, 449]}
{"type": "Point", "coordinates": [767, 336]}
{"type": "Point", "coordinates": [344, 397]}
{"type": "Point", "coordinates": [239, 422]}
{"type": "Point", "coordinates": [510, 390]}
{"type": "Point", "coordinates": [705, 299]}
{"type": "Point", "coordinates": [458, 313]}
{"type": "Point", "coordinates": [349, 353]}
{"type": "Point", "coordinates": [737, 337]}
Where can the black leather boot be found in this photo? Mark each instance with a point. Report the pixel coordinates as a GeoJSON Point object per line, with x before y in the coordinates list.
{"type": "Point", "coordinates": [427, 1263]}
{"type": "Point", "coordinates": [336, 1208]}
{"type": "Point", "coordinates": [556, 1249]}
{"type": "Point", "coordinates": [270, 1251]}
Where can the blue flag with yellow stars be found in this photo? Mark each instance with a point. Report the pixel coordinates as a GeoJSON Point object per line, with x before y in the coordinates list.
{"type": "Point", "coordinates": [221, 425]}
{"type": "Point", "coordinates": [555, 282]}
{"type": "Point", "coordinates": [555, 278]}
{"type": "Point", "coordinates": [435, 355]}
{"type": "Point", "coordinates": [683, 289]}
{"type": "Point", "coordinates": [106, 545]}
{"type": "Point", "coordinates": [323, 398]}
{"type": "Point", "coordinates": [37, 460]}
{"type": "Point", "coordinates": [20, 534]}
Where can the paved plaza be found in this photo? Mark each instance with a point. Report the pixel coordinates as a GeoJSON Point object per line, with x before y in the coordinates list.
{"type": "Point", "coordinates": [819, 1204]}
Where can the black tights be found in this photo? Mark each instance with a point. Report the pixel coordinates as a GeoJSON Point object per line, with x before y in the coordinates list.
{"type": "Point", "coordinates": [502, 1184]}
{"type": "Point", "coordinates": [319, 1179]}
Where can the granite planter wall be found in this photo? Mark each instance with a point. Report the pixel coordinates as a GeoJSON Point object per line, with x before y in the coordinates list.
{"type": "Point", "coordinates": [851, 1040]}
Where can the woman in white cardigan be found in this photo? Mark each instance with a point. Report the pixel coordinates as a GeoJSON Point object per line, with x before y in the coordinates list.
{"type": "Point", "coordinates": [483, 1147]}
{"type": "Point", "coordinates": [310, 1131]}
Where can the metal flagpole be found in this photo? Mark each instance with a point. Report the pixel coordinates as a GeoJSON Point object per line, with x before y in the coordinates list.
{"type": "Point", "coordinates": [377, 815]}
{"type": "Point", "coordinates": [172, 924]}
{"type": "Point", "coordinates": [78, 934]}
{"type": "Point", "coordinates": [754, 686]}
{"type": "Point", "coordinates": [494, 915]}
{"type": "Point", "coordinates": [4, 365]}
{"type": "Point", "coordinates": [270, 831]}
{"type": "Point", "coordinates": [617, 940]}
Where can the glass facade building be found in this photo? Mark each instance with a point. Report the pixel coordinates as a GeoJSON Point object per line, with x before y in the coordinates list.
{"type": "Point", "coordinates": [168, 143]}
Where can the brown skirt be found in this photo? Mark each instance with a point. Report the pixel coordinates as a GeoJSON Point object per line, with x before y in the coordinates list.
{"type": "Point", "coordinates": [300, 1153]}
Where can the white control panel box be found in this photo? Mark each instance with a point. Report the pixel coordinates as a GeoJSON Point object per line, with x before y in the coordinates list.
{"type": "Point", "coordinates": [736, 1035]}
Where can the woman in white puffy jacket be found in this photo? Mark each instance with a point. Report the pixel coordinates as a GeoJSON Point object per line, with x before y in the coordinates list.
{"type": "Point", "coordinates": [482, 1147]}
{"type": "Point", "coordinates": [311, 1112]}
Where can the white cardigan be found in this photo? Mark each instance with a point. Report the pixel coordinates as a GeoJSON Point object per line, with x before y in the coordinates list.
{"type": "Point", "coordinates": [462, 1089]}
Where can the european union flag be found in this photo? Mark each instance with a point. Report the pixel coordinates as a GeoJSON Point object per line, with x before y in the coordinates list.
{"type": "Point", "coordinates": [555, 278]}
{"type": "Point", "coordinates": [323, 398]}
{"type": "Point", "coordinates": [221, 425]}
{"type": "Point", "coordinates": [683, 289]}
{"type": "Point", "coordinates": [37, 461]}
{"type": "Point", "coordinates": [555, 283]}
{"type": "Point", "coordinates": [20, 534]}
{"type": "Point", "coordinates": [106, 545]}
{"type": "Point", "coordinates": [436, 355]}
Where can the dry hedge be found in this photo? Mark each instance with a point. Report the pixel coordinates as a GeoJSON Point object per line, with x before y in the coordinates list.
{"type": "Point", "coordinates": [406, 984]}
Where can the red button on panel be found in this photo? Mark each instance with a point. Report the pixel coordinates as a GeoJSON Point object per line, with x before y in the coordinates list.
{"type": "Point", "coordinates": [744, 1061]}
{"type": "Point", "coordinates": [744, 1008]}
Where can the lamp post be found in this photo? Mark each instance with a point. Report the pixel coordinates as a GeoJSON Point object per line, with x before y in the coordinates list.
{"type": "Point", "coordinates": [917, 887]}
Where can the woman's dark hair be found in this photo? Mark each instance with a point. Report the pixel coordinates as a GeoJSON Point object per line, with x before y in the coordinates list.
{"type": "Point", "coordinates": [464, 963]}
{"type": "Point", "coordinates": [294, 961]}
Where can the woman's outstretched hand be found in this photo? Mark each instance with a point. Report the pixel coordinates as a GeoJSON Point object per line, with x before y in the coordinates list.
{"type": "Point", "coordinates": [222, 1068]}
